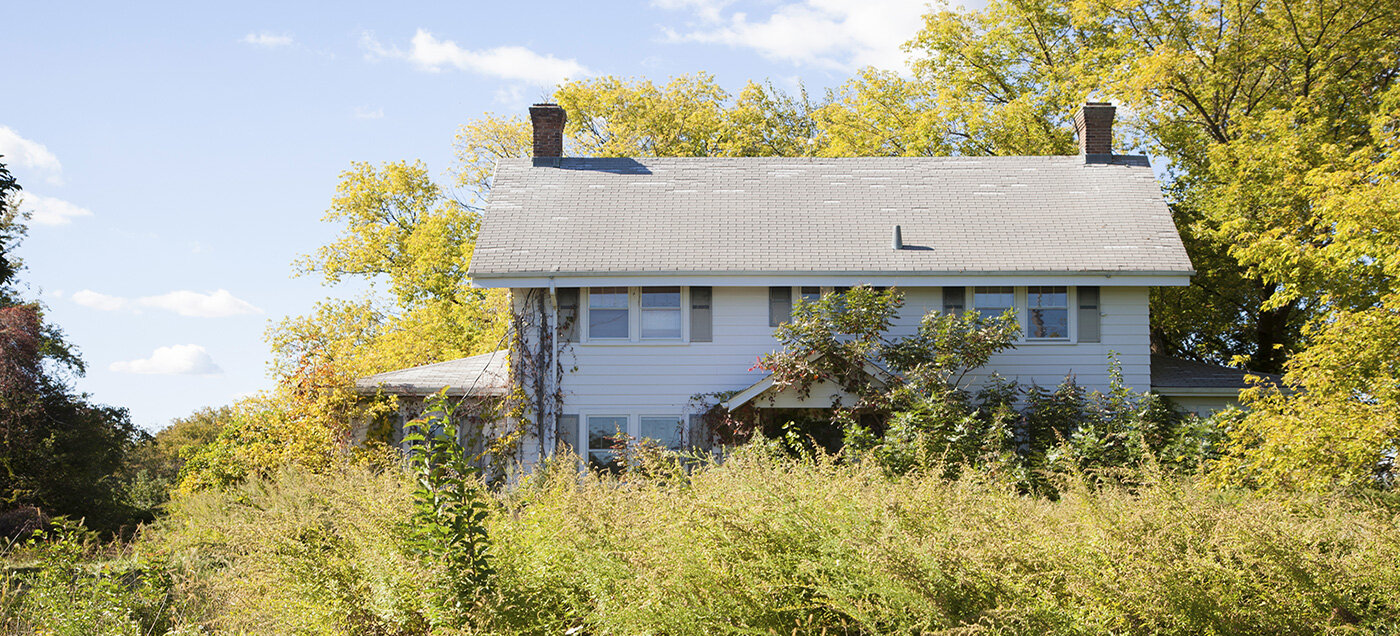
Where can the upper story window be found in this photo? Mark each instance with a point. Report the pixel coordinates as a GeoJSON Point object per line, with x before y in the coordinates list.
{"type": "Point", "coordinates": [1047, 312]}
{"type": "Point", "coordinates": [633, 314]}
{"type": "Point", "coordinates": [661, 312]}
{"type": "Point", "coordinates": [1043, 311]}
{"type": "Point", "coordinates": [991, 302]}
{"type": "Point", "coordinates": [608, 313]}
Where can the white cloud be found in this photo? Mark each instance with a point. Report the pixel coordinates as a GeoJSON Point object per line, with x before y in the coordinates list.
{"type": "Point", "coordinates": [836, 34]}
{"type": "Point", "coordinates": [510, 95]}
{"type": "Point", "coordinates": [365, 112]}
{"type": "Point", "coordinates": [707, 9]}
{"type": "Point", "coordinates": [216, 304]}
{"type": "Point", "coordinates": [187, 359]}
{"type": "Point", "coordinates": [191, 304]}
{"type": "Point", "coordinates": [51, 211]}
{"type": "Point", "coordinates": [507, 62]}
{"type": "Point", "coordinates": [98, 301]}
{"type": "Point", "coordinates": [267, 39]}
{"type": "Point", "coordinates": [25, 153]}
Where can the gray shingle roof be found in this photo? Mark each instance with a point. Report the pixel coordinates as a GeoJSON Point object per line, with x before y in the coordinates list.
{"type": "Point", "coordinates": [485, 374]}
{"type": "Point", "coordinates": [1175, 373]}
{"type": "Point", "coordinates": [741, 215]}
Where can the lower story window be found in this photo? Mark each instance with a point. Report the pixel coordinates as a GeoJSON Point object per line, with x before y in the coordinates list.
{"type": "Point", "coordinates": [667, 432]}
{"type": "Point", "coordinates": [605, 433]}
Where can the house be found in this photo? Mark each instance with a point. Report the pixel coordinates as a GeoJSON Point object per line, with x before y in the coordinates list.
{"type": "Point", "coordinates": [644, 289]}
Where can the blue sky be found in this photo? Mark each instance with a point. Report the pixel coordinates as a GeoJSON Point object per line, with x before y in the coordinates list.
{"type": "Point", "coordinates": [177, 157]}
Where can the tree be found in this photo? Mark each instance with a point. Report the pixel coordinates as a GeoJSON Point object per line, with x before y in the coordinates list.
{"type": "Point", "coordinates": [1195, 76]}
{"type": "Point", "coordinates": [58, 451]}
{"type": "Point", "coordinates": [1339, 426]}
{"type": "Point", "coordinates": [410, 242]}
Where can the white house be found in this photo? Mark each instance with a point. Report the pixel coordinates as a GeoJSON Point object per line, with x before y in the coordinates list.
{"type": "Point", "coordinates": [639, 283]}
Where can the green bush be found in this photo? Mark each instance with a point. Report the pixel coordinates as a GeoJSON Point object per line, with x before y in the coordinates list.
{"type": "Point", "coordinates": [760, 543]}
{"type": "Point", "coordinates": [301, 552]}
{"type": "Point", "coordinates": [63, 581]}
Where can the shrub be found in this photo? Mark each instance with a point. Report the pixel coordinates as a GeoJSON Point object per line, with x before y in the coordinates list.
{"type": "Point", "coordinates": [75, 585]}
{"type": "Point", "coordinates": [301, 552]}
{"type": "Point", "coordinates": [765, 543]}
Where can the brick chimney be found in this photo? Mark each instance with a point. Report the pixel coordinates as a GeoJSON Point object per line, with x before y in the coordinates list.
{"type": "Point", "coordinates": [1094, 123]}
{"type": "Point", "coordinates": [548, 121]}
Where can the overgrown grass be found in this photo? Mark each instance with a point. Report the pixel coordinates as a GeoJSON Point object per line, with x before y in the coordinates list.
{"type": "Point", "coordinates": [765, 543]}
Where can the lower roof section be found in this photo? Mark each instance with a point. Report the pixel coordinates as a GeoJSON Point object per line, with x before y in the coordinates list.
{"type": "Point", "coordinates": [1174, 376]}
{"type": "Point", "coordinates": [484, 375]}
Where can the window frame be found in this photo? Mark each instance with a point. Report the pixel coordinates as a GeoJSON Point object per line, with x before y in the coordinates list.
{"type": "Point", "coordinates": [586, 452]}
{"type": "Point", "coordinates": [1021, 304]}
{"type": "Point", "coordinates": [633, 428]}
{"type": "Point", "coordinates": [681, 300]}
{"type": "Point", "coordinates": [634, 318]}
{"type": "Point", "coordinates": [1070, 333]}
{"type": "Point", "coordinates": [586, 305]}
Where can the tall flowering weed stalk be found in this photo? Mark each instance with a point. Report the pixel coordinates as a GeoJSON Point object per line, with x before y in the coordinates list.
{"type": "Point", "coordinates": [449, 521]}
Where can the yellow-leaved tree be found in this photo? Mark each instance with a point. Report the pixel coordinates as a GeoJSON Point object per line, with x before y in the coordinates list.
{"type": "Point", "coordinates": [408, 244]}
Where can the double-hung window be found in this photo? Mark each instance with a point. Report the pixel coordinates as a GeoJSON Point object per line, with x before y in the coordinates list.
{"type": "Point", "coordinates": [645, 313]}
{"type": "Point", "coordinates": [661, 312]}
{"type": "Point", "coordinates": [604, 435]}
{"type": "Point", "coordinates": [991, 302]}
{"type": "Point", "coordinates": [1047, 313]}
{"type": "Point", "coordinates": [668, 432]}
{"type": "Point", "coordinates": [608, 313]}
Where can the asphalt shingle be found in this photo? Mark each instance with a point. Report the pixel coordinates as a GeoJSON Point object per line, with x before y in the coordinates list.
{"type": "Point", "coordinates": [485, 374]}
{"type": "Point", "coordinates": [754, 215]}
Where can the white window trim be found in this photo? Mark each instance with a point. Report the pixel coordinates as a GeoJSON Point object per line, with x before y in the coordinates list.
{"type": "Point", "coordinates": [681, 419]}
{"type": "Point", "coordinates": [633, 428]}
{"type": "Point", "coordinates": [585, 449]}
{"type": "Point", "coordinates": [634, 319]}
{"type": "Point", "coordinates": [1021, 302]}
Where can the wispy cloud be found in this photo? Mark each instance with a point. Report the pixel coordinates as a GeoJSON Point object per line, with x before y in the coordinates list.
{"type": "Point", "coordinates": [51, 211]}
{"type": "Point", "coordinates": [365, 112]}
{"type": "Point", "coordinates": [267, 39]}
{"type": "Point", "coordinates": [99, 301]}
{"type": "Point", "coordinates": [840, 35]}
{"type": "Point", "coordinates": [189, 359]}
{"type": "Point", "coordinates": [191, 304]}
{"type": "Point", "coordinates": [216, 304]}
{"type": "Point", "coordinates": [26, 153]}
{"type": "Point", "coordinates": [516, 63]}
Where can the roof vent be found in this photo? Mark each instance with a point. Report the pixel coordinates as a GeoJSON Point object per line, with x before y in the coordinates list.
{"type": "Point", "coordinates": [898, 242]}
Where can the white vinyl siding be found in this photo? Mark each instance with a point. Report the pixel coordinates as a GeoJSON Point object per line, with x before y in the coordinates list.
{"type": "Point", "coordinates": [633, 378]}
